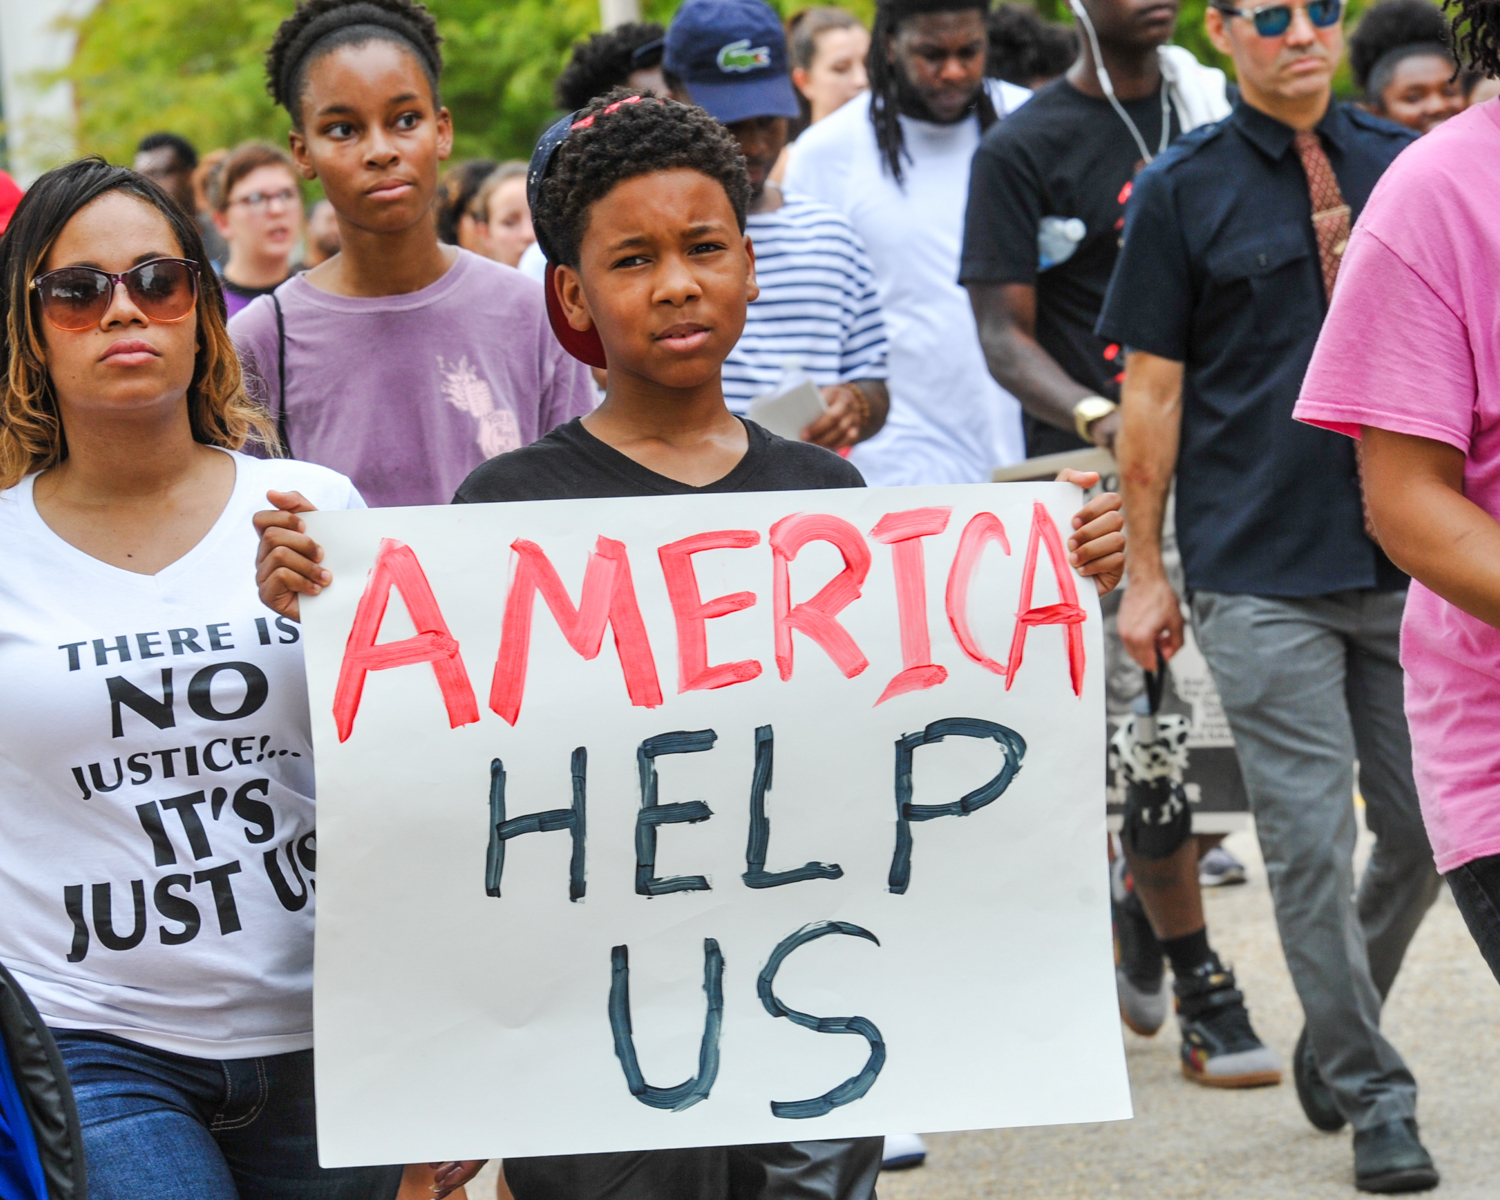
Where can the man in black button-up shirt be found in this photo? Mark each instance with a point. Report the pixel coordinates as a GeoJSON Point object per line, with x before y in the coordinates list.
{"type": "Point", "coordinates": [1219, 295]}
{"type": "Point", "coordinates": [1220, 272]}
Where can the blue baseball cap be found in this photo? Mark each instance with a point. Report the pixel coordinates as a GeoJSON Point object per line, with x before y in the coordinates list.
{"type": "Point", "coordinates": [731, 54]}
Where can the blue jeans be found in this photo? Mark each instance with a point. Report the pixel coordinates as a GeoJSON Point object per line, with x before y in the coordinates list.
{"type": "Point", "coordinates": [170, 1127]}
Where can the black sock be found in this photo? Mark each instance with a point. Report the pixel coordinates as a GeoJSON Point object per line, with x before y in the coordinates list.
{"type": "Point", "coordinates": [1188, 952]}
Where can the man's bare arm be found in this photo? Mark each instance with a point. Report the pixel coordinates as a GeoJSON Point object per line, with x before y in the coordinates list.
{"type": "Point", "coordinates": [1150, 428]}
{"type": "Point", "coordinates": [1006, 316]}
{"type": "Point", "coordinates": [1414, 488]}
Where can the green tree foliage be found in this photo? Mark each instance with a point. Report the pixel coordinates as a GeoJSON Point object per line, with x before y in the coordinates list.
{"type": "Point", "coordinates": [1190, 34]}
{"type": "Point", "coordinates": [502, 58]}
{"type": "Point", "coordinates": [196, 67]}
{"type": "Point", "coordinates": [191, 66]}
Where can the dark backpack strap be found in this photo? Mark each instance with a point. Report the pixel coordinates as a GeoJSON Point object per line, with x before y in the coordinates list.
{"type": "Point", "coordinates": [46, 1093]}
{"type": "Point", "coordinates": [286, 443]}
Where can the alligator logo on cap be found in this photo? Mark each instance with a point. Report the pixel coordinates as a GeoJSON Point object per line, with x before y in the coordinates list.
{"type": "Point", "coordinates": [738, 56]}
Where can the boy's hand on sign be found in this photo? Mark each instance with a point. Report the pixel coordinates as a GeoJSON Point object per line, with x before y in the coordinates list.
{"type": "Point", "coordinates": [286, 564]}
{"type": "Point", "coordinates": [451, 1175]}
{"type": "Point", "coordinates": [1097, 547]}
{"type": "Point", "coordinates": [841, 422]}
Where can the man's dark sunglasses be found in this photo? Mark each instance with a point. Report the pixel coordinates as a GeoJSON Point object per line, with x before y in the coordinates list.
{"type": "Point", "coordinates": [1272, 20]}
{"type": "Point", "coordinates": [74, 298]}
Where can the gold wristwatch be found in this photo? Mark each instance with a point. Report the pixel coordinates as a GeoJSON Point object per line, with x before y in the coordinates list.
{"type": "Point", "coordinates": [1088, 410]}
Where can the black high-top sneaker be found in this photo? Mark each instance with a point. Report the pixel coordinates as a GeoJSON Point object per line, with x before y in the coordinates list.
{"type": "Point", "coordinates": [1219, 1047]}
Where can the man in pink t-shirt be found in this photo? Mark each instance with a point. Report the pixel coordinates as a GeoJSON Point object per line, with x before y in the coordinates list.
{"type": "Point", "coordinates": [1409, 360]}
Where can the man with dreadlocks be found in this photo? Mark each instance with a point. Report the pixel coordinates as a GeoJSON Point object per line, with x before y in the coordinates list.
{"type": "Point", "coordinates": [896, 162]}
{"type": "Point", "coordinates": [1409, 363]}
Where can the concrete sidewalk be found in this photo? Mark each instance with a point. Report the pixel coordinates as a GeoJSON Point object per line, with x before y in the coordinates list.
{"type": "Point", "coordinates": [1187, 1141]}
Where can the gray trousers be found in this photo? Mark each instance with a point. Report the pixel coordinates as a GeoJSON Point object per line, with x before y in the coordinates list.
{"type": "Point", "coordinates": [1309, 686]}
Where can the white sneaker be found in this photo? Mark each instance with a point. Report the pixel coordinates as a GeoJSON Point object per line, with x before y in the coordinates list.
{"type": "Point", "coordinates": [1144, 1011]}
{"type": "Point", "coordinates": [1219, 868]}
{"type": "Point", "coordinates": [903, 1151]}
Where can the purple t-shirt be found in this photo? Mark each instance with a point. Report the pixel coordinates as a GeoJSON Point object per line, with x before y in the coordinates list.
{"type": "Point", "coordinates": [407, 394]}
{"type": "Point", "coordinates": [1412, 345]}
{"type": "Point", "coordinates": [237, 298]}
{"type": "Point", "coordinates": [233, 303]}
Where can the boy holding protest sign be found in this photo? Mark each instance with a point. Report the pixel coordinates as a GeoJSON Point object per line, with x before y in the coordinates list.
{"type": "Point", "coordinates": [640, 205]}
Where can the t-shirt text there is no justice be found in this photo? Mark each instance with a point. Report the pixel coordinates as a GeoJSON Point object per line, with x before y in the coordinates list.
{"type": "Point", "coordinates": [157, 834]}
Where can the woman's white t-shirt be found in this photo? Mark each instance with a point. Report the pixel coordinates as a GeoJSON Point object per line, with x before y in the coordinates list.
{"type": "Point", "coordinates": [157, 838]}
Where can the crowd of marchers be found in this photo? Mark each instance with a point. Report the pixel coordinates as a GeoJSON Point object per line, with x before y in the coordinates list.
{"type": "Point", "coordinates": [754, 257]}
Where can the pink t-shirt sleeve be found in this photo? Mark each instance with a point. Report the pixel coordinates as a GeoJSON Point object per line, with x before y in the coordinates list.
{"type": "Point", "coordinates": [1410, 346]}
{"type": "Point", "coordinates": [1364, 371]}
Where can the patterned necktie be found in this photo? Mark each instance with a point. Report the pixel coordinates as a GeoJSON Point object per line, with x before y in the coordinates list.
{"type": "Point", "coordinates": [1330, 215]}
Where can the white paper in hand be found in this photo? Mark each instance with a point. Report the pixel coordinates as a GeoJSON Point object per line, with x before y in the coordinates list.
{"type": "Point", "coordinates": [787, 413]}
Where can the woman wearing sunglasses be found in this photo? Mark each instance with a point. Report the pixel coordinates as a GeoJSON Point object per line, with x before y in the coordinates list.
{"type": "Point", "coordinates": [257, 206]}
{"type": "Point", "coordinates": [157, 841]}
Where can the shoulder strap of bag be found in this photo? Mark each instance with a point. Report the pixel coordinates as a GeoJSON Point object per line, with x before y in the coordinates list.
{"type": "Point", "coordinates": [286, 443]}
{"type": "Point", "coordinates": [41, 1079]}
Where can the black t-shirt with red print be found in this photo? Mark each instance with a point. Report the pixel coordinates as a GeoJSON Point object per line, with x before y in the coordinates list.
{"type": "Point", "coordinates": [1046, 206]}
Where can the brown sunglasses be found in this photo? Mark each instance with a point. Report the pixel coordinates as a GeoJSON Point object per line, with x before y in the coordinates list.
{"type": "Point", "coordinates": [74, 298]}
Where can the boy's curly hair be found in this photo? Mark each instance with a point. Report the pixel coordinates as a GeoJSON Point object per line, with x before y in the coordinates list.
{"type": "Point", "coordinates": [635, 139]}
{"type": "Point", "coordinates": [325, 25]}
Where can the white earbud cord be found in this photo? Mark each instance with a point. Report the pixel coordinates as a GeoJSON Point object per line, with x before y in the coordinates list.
{"type": "Point", "coordinates": [1109, 89]}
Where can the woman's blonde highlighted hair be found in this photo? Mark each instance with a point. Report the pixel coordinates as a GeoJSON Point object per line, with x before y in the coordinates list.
{"type": "Point", "coordinates": [31, 432]}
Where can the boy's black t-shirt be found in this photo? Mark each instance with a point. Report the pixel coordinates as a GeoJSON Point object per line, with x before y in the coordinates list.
{"type": "Point", "coordinates": [570, 463]}
{"type": "Point", "coordinates": [1061, 155]}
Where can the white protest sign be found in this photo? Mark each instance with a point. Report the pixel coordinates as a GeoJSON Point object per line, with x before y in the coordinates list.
{"type": "Point", "coordinates": [700, 820]}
